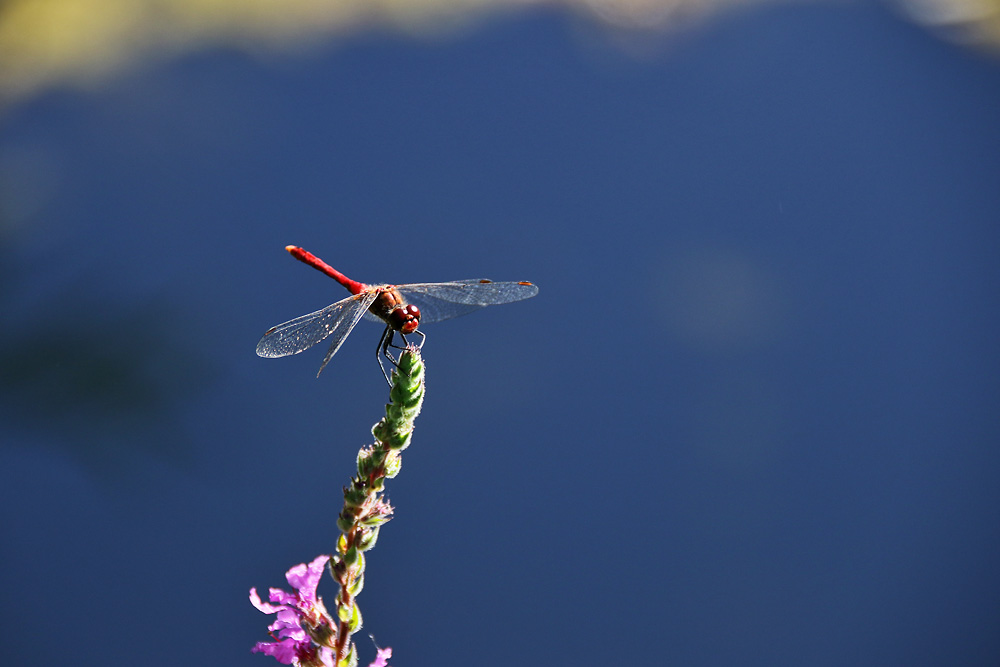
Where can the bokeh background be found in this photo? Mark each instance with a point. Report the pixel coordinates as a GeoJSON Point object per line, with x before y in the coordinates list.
{"type": "Point", "coordinates": [750, 419]}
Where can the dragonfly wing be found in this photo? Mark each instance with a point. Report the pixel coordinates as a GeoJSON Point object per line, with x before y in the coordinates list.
{"type": "Point", "coordinates": [303, 332]}
{"type": "Point", "coordinates": [344, 326]}
{"type": "Point", "coordinates": [442, 301]}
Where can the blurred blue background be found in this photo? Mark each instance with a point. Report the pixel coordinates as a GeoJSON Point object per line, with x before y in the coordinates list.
{"type": "Point", "coordinates": [750, 419]}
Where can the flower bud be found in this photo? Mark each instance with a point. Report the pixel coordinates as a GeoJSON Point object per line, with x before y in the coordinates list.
{"type": "Point", "coordinates": [351, 556]}
{"type": "Point", "coordinates": [366, 463]}
{"type": "Point", "coordinates": [344, 612]}
{"type": "Point", "coordinates": [381, 430]}
{"type": "Point", "coordinates": [367, 538]}
{"type": "Point", "coordinates": [355, 623]}
{"type": "Point", "coordinates": [356, 584]}
{"type": "Point", "coordinates": [352, 658]}
{"type": "Point", "coordinates": [374, 520]}
{"type": "Point", "coordinates": [354, 496]}
{"type": "Point", "coordinates": [323, 633]}
{"type": "Point", "coordinates": [345, 521]}
{"type": "Point", "coordinates": [398, 441]}
{"type": "Point", "coordinates": [393, 463]}
{"type": "Point", "coordinates": [393, 413]}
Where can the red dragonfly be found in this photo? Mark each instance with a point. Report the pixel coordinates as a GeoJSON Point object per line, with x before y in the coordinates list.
{"type": "Point", "coordinates": [401, 307]}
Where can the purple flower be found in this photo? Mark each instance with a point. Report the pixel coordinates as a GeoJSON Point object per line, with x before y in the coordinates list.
{"type": "Point", "coordinates": [382, 659]}
{"type": "Point", "coordinates": [303, 628]}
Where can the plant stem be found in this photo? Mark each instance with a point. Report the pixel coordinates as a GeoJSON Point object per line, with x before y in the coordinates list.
{"type": "Point", "coordinates": [365, 508]}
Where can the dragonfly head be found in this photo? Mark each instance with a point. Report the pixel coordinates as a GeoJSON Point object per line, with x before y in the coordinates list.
{"type": "Point", "coordinates": [405, 319]}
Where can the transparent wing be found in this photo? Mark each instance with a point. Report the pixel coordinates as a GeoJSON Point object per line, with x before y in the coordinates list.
{"type": "Point", "coordinates": [442, 301]}
{"type": "Point", "coordinates": [300, 334]}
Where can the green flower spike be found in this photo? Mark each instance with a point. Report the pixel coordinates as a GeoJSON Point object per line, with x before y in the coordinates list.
{"type": "Point", "coordinates": [365, 509]}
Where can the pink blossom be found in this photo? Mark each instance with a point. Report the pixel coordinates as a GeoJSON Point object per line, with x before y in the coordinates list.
{"type": "Point", "coordinates": [382, 659]}
{"type": "Point", "coordinates": [303, 628]}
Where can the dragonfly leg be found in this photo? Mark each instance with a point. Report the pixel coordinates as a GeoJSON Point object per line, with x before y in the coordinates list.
{"type": "Point", "coordinates": [383, 350]}
{"type": "Point", "coordinates": [420, 333]}
{"type": "Point", "coordinates": [406, 343]}
{"type": "Point", "coordinates": [386, 341]}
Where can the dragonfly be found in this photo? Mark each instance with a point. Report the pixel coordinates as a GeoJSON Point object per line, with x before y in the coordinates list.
{"type": "Point", "coordinates": [402, 308]}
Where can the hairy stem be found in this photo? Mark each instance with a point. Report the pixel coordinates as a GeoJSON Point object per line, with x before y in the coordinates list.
{"type": "Point", "coordinates": [365, 508]}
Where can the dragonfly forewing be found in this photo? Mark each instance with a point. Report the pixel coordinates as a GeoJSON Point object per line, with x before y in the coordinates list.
{"type": "Point", "coordinates": [300, 334]}
{"type": "Point", "coordinates": [443, 301]}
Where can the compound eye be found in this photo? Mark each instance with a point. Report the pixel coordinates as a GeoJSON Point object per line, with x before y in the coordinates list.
{"type": "Point", "coordinates": [413, 311]}
{"type": "Point", "coordinates": [397, 318]}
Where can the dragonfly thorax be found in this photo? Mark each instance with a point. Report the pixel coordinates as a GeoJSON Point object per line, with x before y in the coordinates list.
{"type": "Point", "coordinates": [390, 307]}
